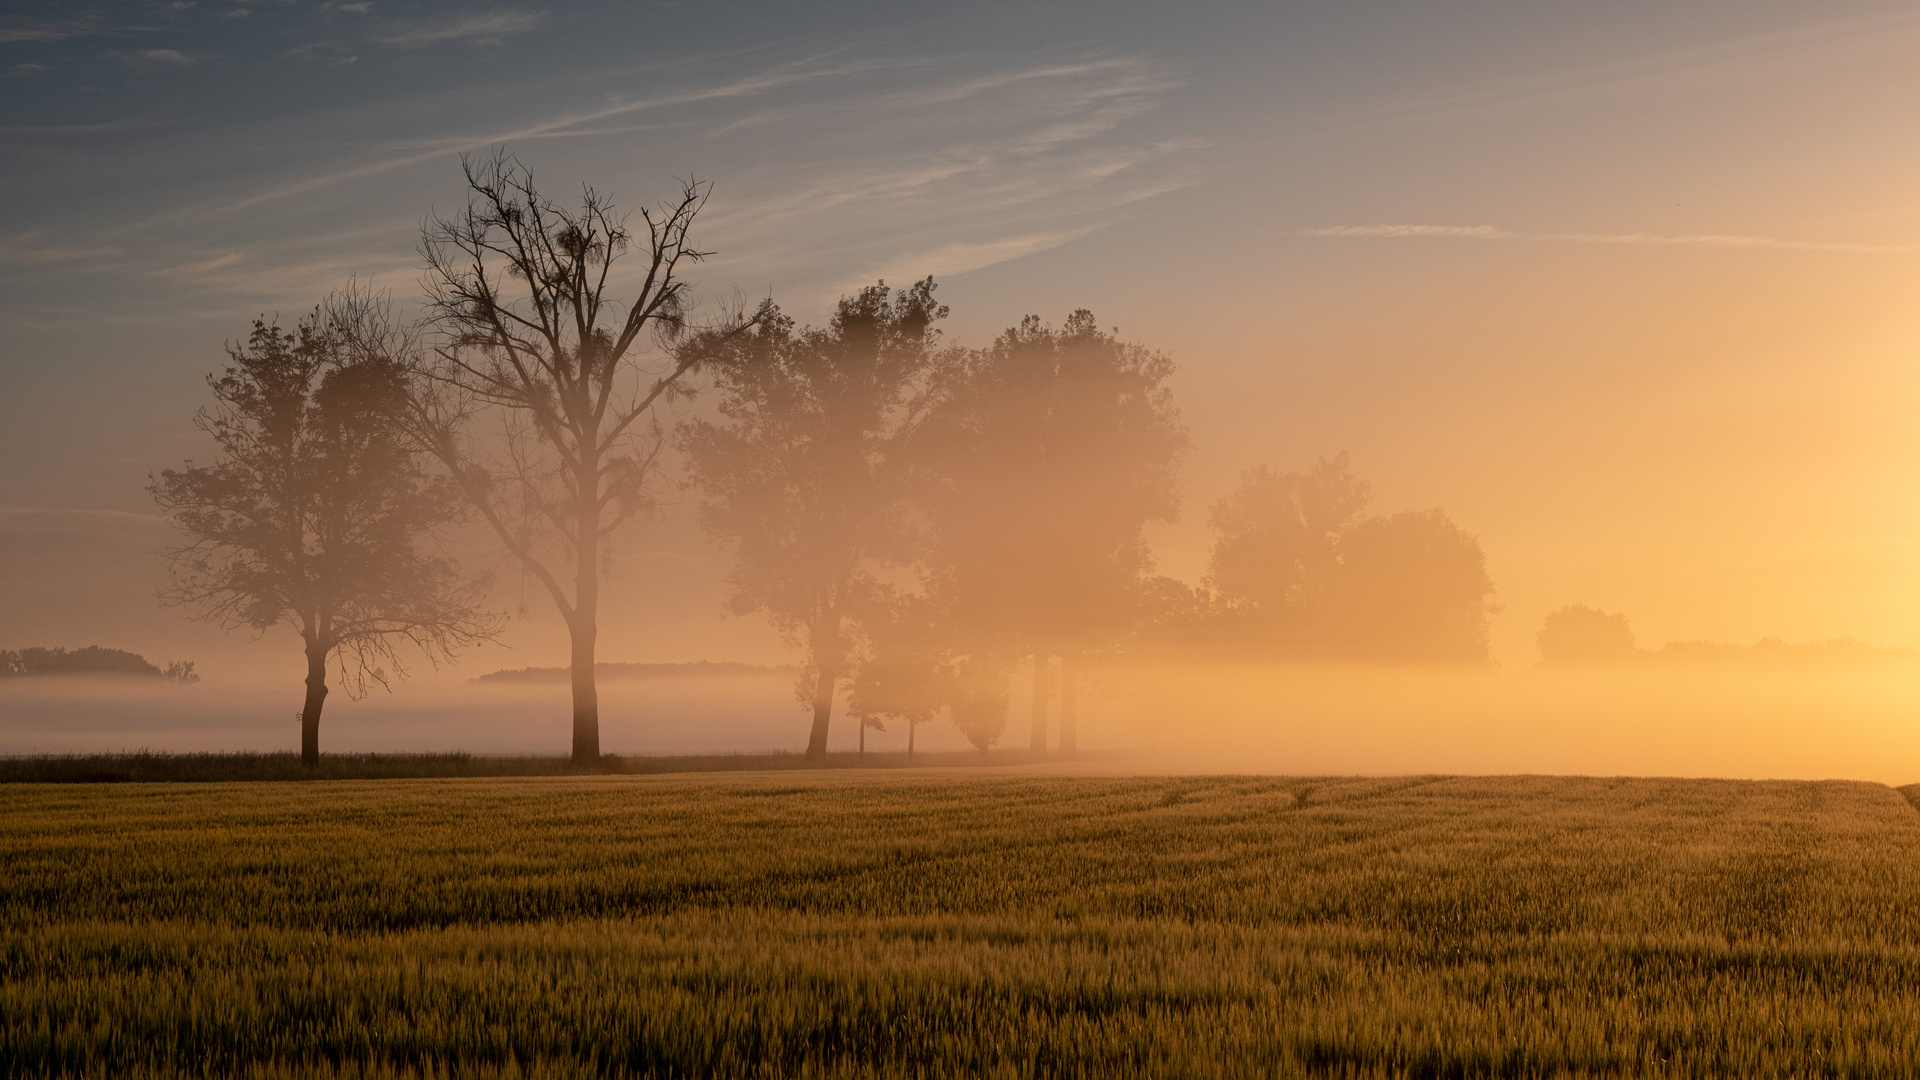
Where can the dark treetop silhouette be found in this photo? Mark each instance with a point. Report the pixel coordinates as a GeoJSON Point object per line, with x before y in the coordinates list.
{"type": "Point", "coordinates": [801, 478]}
{"type": "Point", "coordinates": [1298, 573]}
{"type": "Point", "coordinates": [538, 395]}
{"type": "Point", "coordinates": [1042, 458]}
{"type": "Point", "coordinates": [317, 514]}
{"type": "Point", "coordinates": [1578, 634]}
{"type": "Point", "coordinates": [909, 671]}
{"type": "Point", "coordinates": [92, 660]}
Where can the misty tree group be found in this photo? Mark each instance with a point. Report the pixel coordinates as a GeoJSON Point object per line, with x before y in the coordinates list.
{"type": "Point", "coordinates": [920, 518]}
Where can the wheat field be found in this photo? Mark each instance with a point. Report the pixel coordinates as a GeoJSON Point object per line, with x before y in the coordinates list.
{"type": "Point", "coordinates": [829, 925]}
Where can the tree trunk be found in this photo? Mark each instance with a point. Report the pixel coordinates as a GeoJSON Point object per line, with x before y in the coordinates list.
{"type": "Point", "coordinates": [913, 728]}
{"type": "Point", "coordinates": [1069, 703]}
{"type": "Point", "coordinates": [586, 698]}
{"type": "Point", "coordinates": [825, 641]}
{"type": "Point", "coordinates": [585, 622]}
{"type": "Point", "coordinates": [863, 740]}
{"type": "Point", "coordinates": [1039, 702]}
{"type": "Point", "coordinates": [310, 712]}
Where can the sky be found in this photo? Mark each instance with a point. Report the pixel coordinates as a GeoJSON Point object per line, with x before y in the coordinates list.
{"type": "Point", "coordinates": [1627, 289]}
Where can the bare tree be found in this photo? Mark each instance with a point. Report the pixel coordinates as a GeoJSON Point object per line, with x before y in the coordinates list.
{"type": "Point", "coordinates": [317, 515]}
{"type": "Point", "coordinates": [539, 392]}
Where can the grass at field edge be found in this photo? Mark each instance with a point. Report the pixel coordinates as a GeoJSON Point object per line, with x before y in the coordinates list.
{"type": "Point", "coordinates": [151, 767]}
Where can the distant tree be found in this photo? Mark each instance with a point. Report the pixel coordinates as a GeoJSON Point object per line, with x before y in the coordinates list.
{"type": "Point", "coordinates": [1171, 614]}
{"type": "Point", "coordinates": [978, 699]}
{"type": "Point", "coordinates": [1773, 654]}
{"type": "Point", "coordinates": [1300, 572]}
{"type": "Point", "coordinates": [318, 515]}
{"type": "Point", "coordinates": [1411, 588]}
{"type": "Point", "coordinates": [1578, 634]}
{"type": "Point", "coordinates": [908, 672]}
{"type": "Point", "coordinates": [800, 476]}
{"type": "Point", "coordinates": [1276, 548]}
{"type": "Point", "coordinates": [91, 660]}
{"type": "Point", "coordinates": [538, 397]}
{"type": "Point", "coordinates": [1043, 458]}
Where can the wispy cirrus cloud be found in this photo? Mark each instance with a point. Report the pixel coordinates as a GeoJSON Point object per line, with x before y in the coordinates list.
{"type": "Point", "coordinates": [556, 127]}
{"type": "Point", "coordinates": [1494, 232]}
{"type": "Point", "coordinates": [35, 249]}
{"type": "Point", "coordinates": [150, 59]}
{"type": "Point", "coordinates": [959, 257]}
{"type": "Point", "coordinates": [477, 28]}
{"type": "Point", "coordinates": [1039, 160]}
{"type": "Point", "coordinates": [893, 166]}
{"type": "Point", "coordinates": [50, 29]}
{"type": "Point", "coordinates": [248, 276]}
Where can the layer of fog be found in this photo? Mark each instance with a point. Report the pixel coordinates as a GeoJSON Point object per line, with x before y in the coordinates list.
{"type": "Point", "coordinates": [1861, 723]}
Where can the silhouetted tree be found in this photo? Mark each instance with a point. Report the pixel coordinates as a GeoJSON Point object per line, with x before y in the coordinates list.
{"type": "Point", "coordinates": [1044, 455]}
{"type": "Point", "coordinates": [1578, 634]}
{"type": "Point", "coordinates": [1276, 547]}
{"type": "Point", "coordinates": [1169, 614]}
{"type": "Point", "coordinates": [978, 698]}
{"type": "Point", "coordinates": [799, 477]}
{"type": "Point", "coordinates": [1299, 573]}
{"type": "Point", "coordinates": [91, 660]}
{"type": "Point", "coordinates": [317, 514]}
{"type": "Point", "coordinates": [908, 672]}
{"type": "Point", "coordinates": [1412, 587]}
{"type": "Point", "coordinates": [538, 396]}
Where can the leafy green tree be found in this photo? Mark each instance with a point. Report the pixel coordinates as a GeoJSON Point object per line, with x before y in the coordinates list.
{"type": "Point", "coordinates": [799, 475]}
{"type": "Point", "coordinates": [317, 514]}
{"type": "Point", "coordinates": [1044, 456]}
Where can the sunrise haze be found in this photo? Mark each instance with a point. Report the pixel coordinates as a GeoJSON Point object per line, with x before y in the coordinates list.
{"type": "Point", "coordinates": [1628, 291]}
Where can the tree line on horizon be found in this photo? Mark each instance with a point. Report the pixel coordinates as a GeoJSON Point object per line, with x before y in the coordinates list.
{"type": "Point", "coordinates": [90, 660]}
{"type": "Point", "coordinates": [917, 517]}
{"type": "Point", "coordinates": [1581, 636]}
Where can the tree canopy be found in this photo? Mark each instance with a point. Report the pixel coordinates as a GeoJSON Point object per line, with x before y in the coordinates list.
{"type": "Point", "coordinates": [1578, 634]}
{"type": "Point", "coordinates": [801, 476]}
{"type": "Point", "coordinates": [1047, 453]}
{"type": "Point", "coordinates": [91, 660]}
{"type": "Point", "coordinates": [317, 514]}
{"type": "Point", "coordinates": [1300, 572]}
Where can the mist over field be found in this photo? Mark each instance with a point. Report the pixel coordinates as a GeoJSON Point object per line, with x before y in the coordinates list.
{"type": "Point", "coordinates": [1277, 376]}
{"type": "Point", "coordinates": [851, 539]}
{"type": "Point", "coordinates": [1863, 724]}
